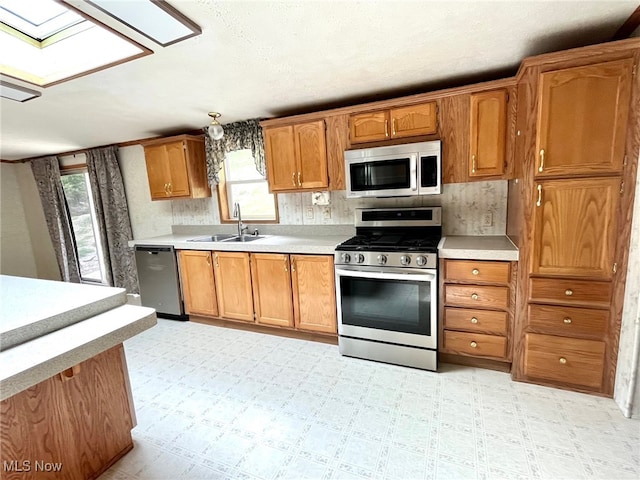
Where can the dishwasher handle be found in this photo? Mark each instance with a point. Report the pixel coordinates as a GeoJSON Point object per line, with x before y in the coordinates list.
{"type": "Point", "coordinates": [153, 250]}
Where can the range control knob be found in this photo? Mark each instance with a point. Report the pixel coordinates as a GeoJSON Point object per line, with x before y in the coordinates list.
{"type": "Point", "coordinates": [359, 258]}
{"type": "Point", "coordinates": [346, 258]}
{"type": "Point", "coordinates": [405, 260]}
{"type": "Point", "coordinates": [421, 260]}
{"type": "Point", "coordinates": [382, 259]}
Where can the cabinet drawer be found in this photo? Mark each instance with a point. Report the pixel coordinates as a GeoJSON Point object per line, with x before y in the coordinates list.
{"type": "Point", "coordinates": [487, 321]}
{"type": "Point", "coordinates": [578, 292]}
{"type": "Point", "coordinates": [476, 344]}
{"type": "Point", "coordinates": [569, 321]}
{"type": "Point", "coordinates": [474, 271]}
{"type": "Point", "coordinates": [477, 296]}
{"type": "Point", "coordinates": [564, 360]}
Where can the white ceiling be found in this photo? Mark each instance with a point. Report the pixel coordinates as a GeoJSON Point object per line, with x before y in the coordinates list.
{"type": "Point", "coordinates": [264, 59]}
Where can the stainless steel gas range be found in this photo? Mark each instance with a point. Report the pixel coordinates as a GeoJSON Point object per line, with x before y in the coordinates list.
{"type": "Point", "coordinates": [387, 287]}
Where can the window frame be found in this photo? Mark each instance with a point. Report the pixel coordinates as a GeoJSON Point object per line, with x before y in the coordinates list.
{"type": "Point", "coordinates": [72, 170]}
{"type": "Point", "coordinates": [223, 200]}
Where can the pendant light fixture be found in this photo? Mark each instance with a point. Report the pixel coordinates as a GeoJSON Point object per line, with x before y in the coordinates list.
{"type": "Point", "coordinates": [215, 129]}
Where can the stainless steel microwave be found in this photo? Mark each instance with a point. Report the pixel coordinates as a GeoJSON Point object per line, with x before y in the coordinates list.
{"type": "Point", "coordinates": [394, 171]}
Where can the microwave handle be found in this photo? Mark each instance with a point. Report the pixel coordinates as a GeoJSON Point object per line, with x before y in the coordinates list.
{"type": "Point", "coordinates": [413, 173]}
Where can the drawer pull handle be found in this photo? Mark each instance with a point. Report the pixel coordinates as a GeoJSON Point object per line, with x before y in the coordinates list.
{"type": "Point", "coordinates": [293, 178]}
{"type": "Point", "coordinates": [563, 360]}
{"type": "Point", "coordinates": [386, 128]}
{"type": "Point", "coordinates": [539, 202]}
{"type": "Point", "coordinates": [473, 344]}
{"type": "Point", "coordinates": [541, 167]}
{"type": "Point", "coordinates": [474, 320]}
{"type": "Point", "coordinates": [475, 271]}
{"type": "Point", "coordinates": [568, 292]}
{"type": "Point", "coordinates": [567, 321]}
{"type": "Point", "coordinates": [474, 296]}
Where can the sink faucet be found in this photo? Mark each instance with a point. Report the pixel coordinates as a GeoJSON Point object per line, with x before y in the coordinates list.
{"type": "Point", "coordinates": [237, 214]}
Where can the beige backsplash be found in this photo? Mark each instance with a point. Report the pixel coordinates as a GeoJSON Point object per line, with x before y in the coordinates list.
{"type": "Point", "coordinates": [464, 205]}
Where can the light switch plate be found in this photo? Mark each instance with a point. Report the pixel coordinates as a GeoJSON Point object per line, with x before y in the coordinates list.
{"type": "Point", "coordinates": [326, 213]}
{"type": "Point", "coordinates": [308, 213]}
{"type": "Point", "coordinates": [320, 198]}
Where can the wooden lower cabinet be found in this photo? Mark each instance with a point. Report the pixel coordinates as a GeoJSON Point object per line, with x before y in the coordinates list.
{"type": "Point", "coordinates": [478, 302]}
{"type": "Point", "coordinates": [290, 291]}
{"type": "Point", "coordinates": [272, 292]}
{"type": "Point", "coordinates": [80, 419]}
{"type": "Point", "coordinates": [476, 344]}
{"type": "Point", "coordinates": [233, 281]}
{"type": "Point", "coordinates": [567, 361]}
{"type": "Point", "coordinates": [198, 283]}
{"type": "Point", "coordinates": [314, 293]}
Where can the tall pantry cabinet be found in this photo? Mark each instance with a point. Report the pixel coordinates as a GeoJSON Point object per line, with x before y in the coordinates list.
{"type": "Point", "coordinates": [577, 141]}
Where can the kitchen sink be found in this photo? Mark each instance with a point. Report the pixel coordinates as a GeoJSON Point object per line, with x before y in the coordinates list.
{"type": "Point", "coordinates": [213, 238]}
{"type": "Point", "coordinates": [244, 238]}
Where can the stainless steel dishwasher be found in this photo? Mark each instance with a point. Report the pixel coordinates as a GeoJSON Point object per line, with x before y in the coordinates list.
{"type": "Point", "coordinates": [159, 282]}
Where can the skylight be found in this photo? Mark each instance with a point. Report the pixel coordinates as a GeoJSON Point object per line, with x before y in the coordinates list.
{"type": "Point", "coordinates": [44, 42]}
{"type": "Point", "coordinates": [39, 19]}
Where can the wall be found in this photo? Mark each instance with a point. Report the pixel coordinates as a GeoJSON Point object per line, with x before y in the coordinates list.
{"type": "Point", "coordinates": [627, 386]}
{"type": "Point", "coordinates": [148, 219]}
{"type": "Point", "coordinates": [25, 245]}
{"type": "Point", "coordinates": [464, 206]}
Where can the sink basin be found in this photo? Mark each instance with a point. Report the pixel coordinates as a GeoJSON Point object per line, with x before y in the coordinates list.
{"type": "Point", "coordinates": [213, 238]}
{"type": "Point", "coordinates": [244, 238]}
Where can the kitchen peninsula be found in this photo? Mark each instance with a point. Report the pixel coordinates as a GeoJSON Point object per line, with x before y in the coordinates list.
{"type": "Point", "coordinates": [66, 405]}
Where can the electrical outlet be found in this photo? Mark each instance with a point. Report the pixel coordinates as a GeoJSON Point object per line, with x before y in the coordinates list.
{"type": "Point", "coordinates": [326, 213]}
{"type": "Point", "coordinates": [308, 213]}
{"type": "Point", "coordinates": [487, 219]}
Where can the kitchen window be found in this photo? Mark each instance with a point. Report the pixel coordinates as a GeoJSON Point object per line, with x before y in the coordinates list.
{"type": "Point", "coordinates": [77, 191]}
{"type": "Point", "coordinates": [241, 183]}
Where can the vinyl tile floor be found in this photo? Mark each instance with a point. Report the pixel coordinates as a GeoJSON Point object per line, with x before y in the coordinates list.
{"type": "Point", "coordinates": [217, 403]}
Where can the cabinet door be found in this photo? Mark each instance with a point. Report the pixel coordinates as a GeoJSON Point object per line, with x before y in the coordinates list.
{"type": "Point", "coordinates": [369, 127]}
{"type": "Point", "coordinates": [177, 165]}
{"type": "Point", "coordinates": [314, 293]}
{"type": "Point", "coordinates": [233, 285]}
{"type": "Point", "coordinates": [198, 285]}
{"type": "Point", "coordinates": [280, 158]}
{"type": "Point", "coordinates": [82, 419]}
{"type": "Point", "coordinates": [272, 295]}
{"type": "Point", "coordinates": [311, 153]}
{"type": "Point", "coordinates": [157, 171]}
{"type": "Point", "coordinates": [575, 227]}
{"type": "Point", "coordinates": [413, 120]}
{"type": "Point", "coordinates": [582, 120]}
{"type": "Point", "coordinates": [488, 133]}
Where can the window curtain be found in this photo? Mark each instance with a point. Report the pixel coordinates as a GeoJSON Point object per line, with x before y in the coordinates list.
{"type": "Point", "coordinates": [46, 172]}
{"type": "Point", "coordinates": [237, 136]}
{"type": "Point", "coordinates": [112, 215]}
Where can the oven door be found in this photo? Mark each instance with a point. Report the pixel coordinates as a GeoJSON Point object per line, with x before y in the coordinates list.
{"type": "Point", "coordinates": [382, 176]}
{"type": "Point", "coordinates": [388, 305]}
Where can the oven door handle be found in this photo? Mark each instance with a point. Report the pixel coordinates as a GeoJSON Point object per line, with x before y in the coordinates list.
{"type": "Point", "coordinates": [421, 277]}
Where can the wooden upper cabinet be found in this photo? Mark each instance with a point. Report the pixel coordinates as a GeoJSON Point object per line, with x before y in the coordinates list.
{"type": "Point", "coordinates": [296, 157]}
{"type": "Point", "coordinates": [233, 282]}
{"type": "Point", "coordinates": [400, 122]}
{"type": "Point", "coordinates": [314, 292]}
{"type": "Point", "coordinates": [311, 154]}
{"type": "Point", "coordinates": [575, 227]}
{"type": "Point", "coordinates": [369, 127]}
{"type": "Point", "coordinates": [272, 294]}
{"type": "Point", "coordinates": [281, 158]}
{"type": "Point", "coordinates": [413, 120]}
{"type": "Point", "coordinates": [582, 119]}
{"type": "Point", "coordinates": [488, 133]}
{"type": "Point", "coordinates": [176, 167]}
{"type": "Point", "coordinates": [198, 284]}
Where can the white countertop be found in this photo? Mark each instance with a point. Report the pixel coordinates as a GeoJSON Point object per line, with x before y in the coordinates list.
{"type": "Point", "coordinates": [61, 345]}
{"type": "Point", "coordinates": [31, 308]}
{"type": "Point", "coordinates": [471, 247]}
{"type": "Point", "coordinates": [321, 244]}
